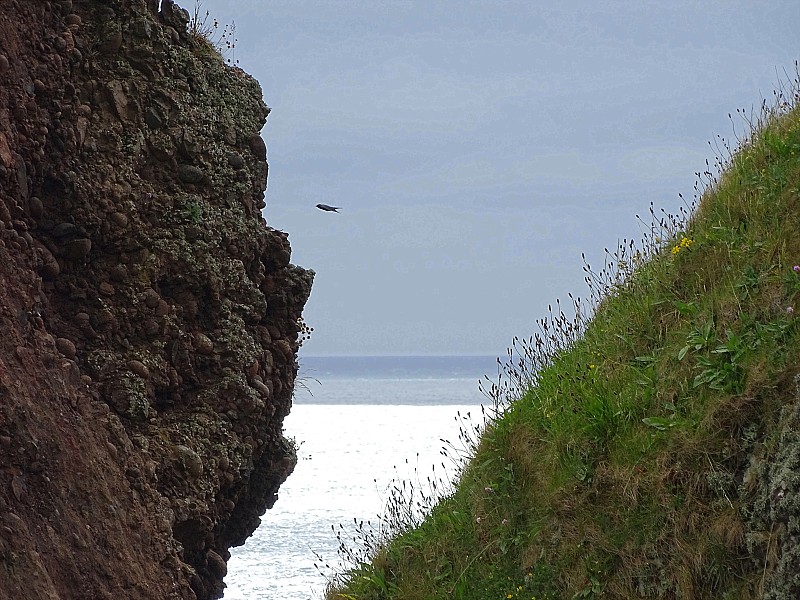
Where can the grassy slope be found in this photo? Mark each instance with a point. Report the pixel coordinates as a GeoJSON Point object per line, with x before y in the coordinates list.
{"type": "Point", "coordinates": [629, 466]}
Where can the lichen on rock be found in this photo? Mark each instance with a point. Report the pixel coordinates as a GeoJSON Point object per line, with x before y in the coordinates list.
{"type": "Point", "coordinates": [771, 489]}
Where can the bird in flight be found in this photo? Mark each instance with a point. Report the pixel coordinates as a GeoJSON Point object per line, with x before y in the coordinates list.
{"type": "Point", "coordinates": [328, 208]}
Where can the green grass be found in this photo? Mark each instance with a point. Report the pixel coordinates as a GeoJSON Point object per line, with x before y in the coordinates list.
{"type": "Point", "coordinates": [627, 457]}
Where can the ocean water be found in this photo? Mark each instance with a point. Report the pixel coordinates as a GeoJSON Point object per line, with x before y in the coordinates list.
{"type": "Point", "coordinates": [360, 422]}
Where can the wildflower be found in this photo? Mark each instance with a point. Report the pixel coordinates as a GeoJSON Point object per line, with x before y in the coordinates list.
{"type": "Point", "coordinates": [683, 244]}
{"type": "Point", "coordinates": [796, 268]}
{"type": "Point", "coordinates": [789, 310]}
{"type": "Point", "coordinates": [488, 490]}
{"type": "Point", "coordinates": [477, 519]}
{"type": "Point", "coordinates": [504, 522]}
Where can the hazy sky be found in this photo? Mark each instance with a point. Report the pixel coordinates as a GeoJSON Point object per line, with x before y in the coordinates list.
{"type": "Point", "coordinates": [477, 148]}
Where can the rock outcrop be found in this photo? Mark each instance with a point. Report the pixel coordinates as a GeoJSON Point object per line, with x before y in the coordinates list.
{"type": "Point", "coordinates": [149, 317]}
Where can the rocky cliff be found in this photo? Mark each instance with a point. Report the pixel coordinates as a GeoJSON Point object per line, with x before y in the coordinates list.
{"type": "Point", "coordinates": [149, 317]}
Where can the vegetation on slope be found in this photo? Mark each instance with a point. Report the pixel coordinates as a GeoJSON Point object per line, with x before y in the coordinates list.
{"type": "Point", "coordinates": [646, 452]}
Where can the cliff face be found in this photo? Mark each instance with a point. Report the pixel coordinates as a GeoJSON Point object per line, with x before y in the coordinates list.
{"type": "Point", "coordinates": [149, 317]}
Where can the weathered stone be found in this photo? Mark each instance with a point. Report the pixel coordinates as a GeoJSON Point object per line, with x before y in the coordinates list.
{"type": "Point", "coordinates": [142, 28]}
{"type": "Point", "coordinates": [253, 369]}
{"type": "Point", "coordinates": [203, 344]}
{"type": "Point", "coordinates": [50, 267]}
{"type": "Point", "coordinates": [118, 96]}
{"type": "Point", "coordinates": [22, 177]}
{"type": "Point", "coordinates": [189, 460]}
{"type": "Point", "coordinates": [263, 388]}
{"type": "Point", "coordinates": [190, 174]}
{"type": "Point", "coordinates": [66, 347]}
{"type": "Point", "coordinates": [36, 208]}
{"type": "Point", "coordinates": [119, 219]}
{"type": "Point", "coordinates": [151, 298]}
{"type": "Point", "coordinates": [216, 564]}
{"type": "Point", "coordinates": [150, 327]}
{"type": "Point", "coordinates": [173, 35]}
{"type": "Point", "coordinates": [285, 349]}
{"type": "Point", "coordinates": [118, 273]}
{"type": "Point", "coordinates": [112, 39]}
{"type": "Point", "coordinates": [137, 367]}
{"type": "Point", "coordinates": [6, 156]}
{"type": "Point", "coordinates": [257, 146]}
{"type": "Point", "coordinates": [63, 230]}
{"type": "Point", "coordinates": [153, 119]}
{"type": "Point", "coordinates": [175, 16]}
{"type": "Point", "coordinates": [235, 160]}
{"type": "Point", "coordinates": [76, 249]}
{"type": "Point", "coordinates": [104, 317]}
{"type": "Point", "coordinates": [162, 308]}
{"type": "Point", "coordinates": [60, 44]}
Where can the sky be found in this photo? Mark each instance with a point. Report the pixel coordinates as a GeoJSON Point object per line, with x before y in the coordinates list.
{"type": "Point", "coordinates": [477, 148]}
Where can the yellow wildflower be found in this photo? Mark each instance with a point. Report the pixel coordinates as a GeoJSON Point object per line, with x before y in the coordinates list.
{"type": "Point", "coordinates": [684, 243]}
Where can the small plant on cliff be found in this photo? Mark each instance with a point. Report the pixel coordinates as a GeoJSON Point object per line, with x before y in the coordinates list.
{"type": "Point", "coordinates": [304, 331]}
{"type": "Point", "coordinates": [194, 211]}
{"type": "Point", "coordinates": [209, 35]}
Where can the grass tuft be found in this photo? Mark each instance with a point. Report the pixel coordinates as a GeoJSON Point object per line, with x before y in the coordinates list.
{"type": "Point", "coordinates": [212, 38]}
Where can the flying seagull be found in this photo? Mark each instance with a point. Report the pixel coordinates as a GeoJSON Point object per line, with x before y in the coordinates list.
{"type": "Point", "coordinates": [328, 208]}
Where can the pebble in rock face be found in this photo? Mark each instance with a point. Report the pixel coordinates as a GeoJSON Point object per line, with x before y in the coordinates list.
{"type": "Point", "coordinates": [151, 298]}
{"type": "Point", "coordinates": [36, 207]}
{"type": "Point", "coordinates": [112, 42]}
{"type": "Point", "coordinates": [139, 368]}
{"type": "Point", "coordinates": [4, 64]}
{"type": "Point", "coordinates": [76, 249]}
{"type": "Point", "coordinates": [190, 174]}
{"type": "Point", "coordinates": [119, 219]}
{"type": "Point", "coordinates": [66, 347]}
{"type": "Point", "coordinates": [203, 344]}
{"type": "Point", "coordinates": [189, 460]}
{"type": "Point", "coordinates": [257, 146]}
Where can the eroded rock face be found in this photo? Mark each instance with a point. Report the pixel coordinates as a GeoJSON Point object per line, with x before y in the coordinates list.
{"type": "Point", "coordinates": [155, 298]}
{"type": "Point", "coordinates": [771, 493]}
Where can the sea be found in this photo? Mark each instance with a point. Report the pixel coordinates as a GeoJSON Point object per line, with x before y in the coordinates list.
{"type": "Point", "coordinates": [361, 424]}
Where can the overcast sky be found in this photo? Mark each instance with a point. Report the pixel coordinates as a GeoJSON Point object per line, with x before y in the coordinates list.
{"type": "Point", "coordinates": [477, 148]}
